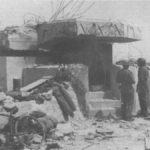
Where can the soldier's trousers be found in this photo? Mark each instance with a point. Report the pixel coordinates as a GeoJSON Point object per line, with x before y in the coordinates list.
{"type": "Point", "coordinates": [127, 104]}
{"type": "Point", "coordinates": [143, 102]}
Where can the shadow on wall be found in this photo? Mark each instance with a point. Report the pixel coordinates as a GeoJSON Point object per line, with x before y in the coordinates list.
{"type": "Point", "coordinates": [114, 87]}
{"type": "Point", "coordinates": [32, 74]}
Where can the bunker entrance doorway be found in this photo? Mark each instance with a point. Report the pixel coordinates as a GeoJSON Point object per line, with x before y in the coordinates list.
{"type": "Point", "coordinates": [97, 76]}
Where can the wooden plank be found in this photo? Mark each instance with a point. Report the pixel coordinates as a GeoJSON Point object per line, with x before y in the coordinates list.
{"type": "Point", "coordinates": [35, 84]}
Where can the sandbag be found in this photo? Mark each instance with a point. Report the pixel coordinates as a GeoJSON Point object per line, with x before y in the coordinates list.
{"type": "Point", "coordinates": [67, 97]}
{"type": "Point", "coordinates": [64, 106]}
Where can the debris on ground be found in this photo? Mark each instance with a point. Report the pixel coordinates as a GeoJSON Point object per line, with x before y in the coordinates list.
{"type": "Point", "coordinates": [53, 146]}
{"type": "Point", "coordinates": [56, 108]}
{"type": "Point", "coordinates": [64, 128]}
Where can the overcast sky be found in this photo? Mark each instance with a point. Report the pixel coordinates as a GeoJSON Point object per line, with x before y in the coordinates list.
{"type": "Point", "coordinates": [138, 12]}
{"type": "Point", "coordinates": [12, 11]}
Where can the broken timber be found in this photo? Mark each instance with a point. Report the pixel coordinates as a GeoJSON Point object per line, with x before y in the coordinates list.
{"type": "Point", "coordinates": [35, 84]}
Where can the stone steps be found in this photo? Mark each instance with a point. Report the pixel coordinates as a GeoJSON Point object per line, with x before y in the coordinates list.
{"type": "Point", "coordinates": [103, 112]}
{"type": "Point", "coordinates": [97, 104]}
{"type": "Point", "coordinates": [95, 95]}
{"type": "Point", "coordinates": [104, 103]}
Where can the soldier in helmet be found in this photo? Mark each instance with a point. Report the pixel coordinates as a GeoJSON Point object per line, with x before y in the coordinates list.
{"type": "Point", "coordinates": [126, 80]}
{"type": "Point", "coordinates": [142, 86]}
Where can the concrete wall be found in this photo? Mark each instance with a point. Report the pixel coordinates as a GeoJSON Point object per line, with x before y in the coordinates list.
{"type": "Point", "coordinates": [115, 89]}
{"type": "Point", "coordinates": [81, 72]}
{"type": "Point", "coordinates": [22, 38]}
{"type": "Point", "coordinates": [83, 51]}
{"type": "Point", "coordinates": [31, 74]}
{"type": "Point", "coordinates": [15, 67]}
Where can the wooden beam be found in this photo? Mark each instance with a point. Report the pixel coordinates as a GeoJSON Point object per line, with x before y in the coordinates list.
{"type": "Point", "coordinates": [35, 84]}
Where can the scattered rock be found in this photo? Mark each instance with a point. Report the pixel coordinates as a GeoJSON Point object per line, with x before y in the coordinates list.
{"type": "Point", "coordinates": [37, 138]}
{"type": "Point", "coordinates": [65, 128]}
{"type": "Point", "coordinates": [104, 131]}
{"type": "Point", "coordinates": [90, 136]}
{"type": "Point", "coordinates": [53, 146]}
{"type": "Point", "coordinates": [2, 139]}
{"type": "Point", "coordinates": [48, 95]}
{"type": "Point", "coordinates": [66, 138]}
{"type": "Point", "coordinates": [87, 131]}
{"type": "Point", "coordinates": [58, 135]}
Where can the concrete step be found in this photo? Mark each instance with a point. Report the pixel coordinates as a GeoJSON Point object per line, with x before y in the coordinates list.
{"type": "Point", "coordinates": [97, 103]}
{"type": "Point", "coordinates": [104, 107]}
{"type": "Point", "coordinates": [104, 103]}
{"type": "Point", "coordinates": [103, 112]}
{"type": "Point", "coordinates": [94, 95]}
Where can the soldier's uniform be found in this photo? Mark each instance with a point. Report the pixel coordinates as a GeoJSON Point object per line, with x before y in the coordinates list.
{"type": "Point", "coordinates": [126, 79]}
{"type": "Point", "coordinates": [142, 89]}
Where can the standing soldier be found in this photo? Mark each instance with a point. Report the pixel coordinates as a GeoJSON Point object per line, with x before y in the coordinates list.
{"type": "Point", "coordinates": [142, 86]}
{"type": "Point", "coordinates": [126, 80]}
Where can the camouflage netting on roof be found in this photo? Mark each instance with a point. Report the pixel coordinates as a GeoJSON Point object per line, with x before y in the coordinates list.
{"type": "Point", "coordinates": [107, 31]}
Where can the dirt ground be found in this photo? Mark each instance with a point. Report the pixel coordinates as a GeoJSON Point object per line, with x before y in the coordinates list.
{"type": "Point", "coordinates": [123, 135]}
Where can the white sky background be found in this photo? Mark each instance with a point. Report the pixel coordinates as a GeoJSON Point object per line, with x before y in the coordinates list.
{"type": "Point", "coordinates": [12, 11]}
{"type": "Point", "coordinates": [136, 12]}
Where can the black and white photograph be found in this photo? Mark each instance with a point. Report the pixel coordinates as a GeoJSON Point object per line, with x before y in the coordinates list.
{"type": "Point", "coordinates": [75, 75]}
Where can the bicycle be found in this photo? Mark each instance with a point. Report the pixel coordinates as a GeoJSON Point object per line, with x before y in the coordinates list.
{"type": "Point", "coordinates": [20, 131]}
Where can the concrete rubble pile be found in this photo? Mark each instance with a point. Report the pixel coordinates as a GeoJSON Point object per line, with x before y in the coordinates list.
{"type": "Point", "coordinates": [45, 99]}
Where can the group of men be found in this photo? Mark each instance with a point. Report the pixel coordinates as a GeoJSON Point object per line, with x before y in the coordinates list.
{"type": "Point", "coordinates": [126, 81]}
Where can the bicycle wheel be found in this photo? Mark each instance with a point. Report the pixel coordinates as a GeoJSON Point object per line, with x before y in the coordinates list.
{"type": "Point", "coordinates": [6, 129]}
{"type": "Point", "coordinates": [4, 121]}
{"type": "Point", "coordinates": [29, 131]}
